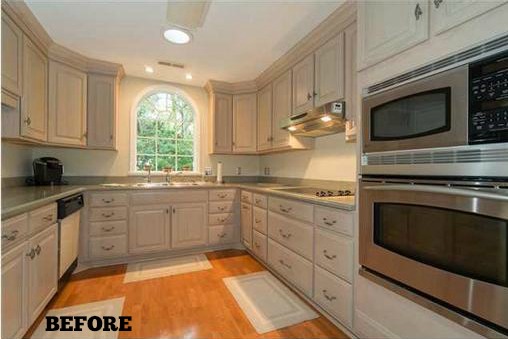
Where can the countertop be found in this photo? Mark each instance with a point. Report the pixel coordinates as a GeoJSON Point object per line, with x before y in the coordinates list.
{"type": "Point", "coordinates": [17, 200]}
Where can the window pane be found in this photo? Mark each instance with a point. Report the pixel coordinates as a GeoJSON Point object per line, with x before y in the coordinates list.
{"type": "Point", "coordinates": [145, 146]}
{"type": "Point", "coordinates": [188, 130]}
{"type": "Point", "coordinates": [163, 161]}
{"type": "Point", "coordinates": [185, 147]}
{"type": "Point", "coordinates": [167, 129]}
{"type": "Point", "coordinates": [143, 159]}
{"type": "Point", "coordinates": [146, 127]}
{"type": "Point", "coordinates": [185, 163]}
{"type": "Point", "coordinates": [166, 146]}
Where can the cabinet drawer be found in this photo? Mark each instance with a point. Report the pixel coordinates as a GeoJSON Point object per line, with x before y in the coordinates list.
{"type": "Point", "coordinates": [14, 229]}
{"type": "Point", "coordinates": [106, 247]}
{"type": "Point", "coordinates": [259, 220]}
{"type": "Point", "coordinates": [334, 295]}
{"type": "Point", "coordinates": [105, 228]}
{"type": "Point", "coordinates": [293, 234]}
{"type": "Point", "coordinates": [108, 199]}
{"type": "Point", "coordinates": [260, 200]}
{"type": "Point", "coordinates": [221, 218]}
{"type": "Point", "coordinates": [219, 195]}
{"type": "Point", "coordinates": [171, 196]}
{"type": "Point", "coordinates": [334, 253]}
{"type": "Point", "coordinates": [221, 207]}
{"type": "Point", "coordinates": [221, 234]}
{"type": "Point", "coordinates": [105, 214]}
{"type": "Point", "coordinates": [246, 197]}
{"type": "Point", "coordinates": [259, 245]}
{"type": "Point", "coordinates": [42, 217]}
{"type": "Point", "coordinates": [290, 265]}
{"type": "Point", "coordinates": [335, 220]}
{"type": "Point", "coordinates": [294, 209]}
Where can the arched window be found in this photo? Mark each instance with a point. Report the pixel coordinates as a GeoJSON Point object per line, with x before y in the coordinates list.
{"type": "Point", "coordinates": [165, 124]}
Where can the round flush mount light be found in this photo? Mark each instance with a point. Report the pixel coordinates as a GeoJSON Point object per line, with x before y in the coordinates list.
{"type": "Point", "coordinates": [177, 36]}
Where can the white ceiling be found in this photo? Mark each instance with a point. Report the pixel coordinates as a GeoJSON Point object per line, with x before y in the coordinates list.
{"type": "Point", "coordinates": [237, 41]}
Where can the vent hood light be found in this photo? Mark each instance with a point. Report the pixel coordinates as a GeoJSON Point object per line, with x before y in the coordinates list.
{"type": "Point", "coordinates": [326, 118]}
{"type": "Point", "coordinates": [149, 69]}
{"type": "Point", "coordinates": [291, 128]}
{"type": "Point", "coordinates": [188, 76]}
{"type": "Point", "coordinates": [177, 36]}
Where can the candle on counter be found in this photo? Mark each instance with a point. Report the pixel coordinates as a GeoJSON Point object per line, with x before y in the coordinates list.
{"type": "Point", "coordinates": [219, 172]}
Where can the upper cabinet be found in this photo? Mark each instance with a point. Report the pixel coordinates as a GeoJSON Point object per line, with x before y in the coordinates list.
{"type": "Point", "coordinates": [282, 97]}
{"type": "Point", "coordinates": [388, 28]}
{"type": "Point", "coordinates": [265, 118]}
{"type": "Point", "coordinates": [221, 123]}
{"type": "Point", "coordinates": [101, 111]}
{"type": "Point", "coordinates": [12, 44]}
{"type": "Point", "coordinates": [244, 123]}
{"type": "Point", "coordinates": [329, 71]}
{"type": "Point", "coordinates": [67, 105]}
{"type": "Point", "coordinates": [303, 85]}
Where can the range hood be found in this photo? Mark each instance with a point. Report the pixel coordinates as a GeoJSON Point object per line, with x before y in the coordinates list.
{"type": "Point", "coordinates": [324, 120]}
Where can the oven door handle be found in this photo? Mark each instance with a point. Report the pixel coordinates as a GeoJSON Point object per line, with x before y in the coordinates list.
{"type": "Point", "coordinates": [465, 192]}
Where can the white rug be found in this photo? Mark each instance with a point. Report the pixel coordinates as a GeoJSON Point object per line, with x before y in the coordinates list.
{"type": "Point", "coordinates": [110, 307]}
{"type": "Point", "coordinates": [166, 267]}
{"type": "Point", "coordinates": [267, 303]}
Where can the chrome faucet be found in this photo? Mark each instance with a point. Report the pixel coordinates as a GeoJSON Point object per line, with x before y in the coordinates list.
{"type": "Point", "coordinates": [168, 170]}
{"type": "Point", "coordinates": [148, 167]}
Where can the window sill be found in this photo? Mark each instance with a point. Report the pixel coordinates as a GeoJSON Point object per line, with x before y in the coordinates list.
{"type": "Point", "coordinates": [163, 174]}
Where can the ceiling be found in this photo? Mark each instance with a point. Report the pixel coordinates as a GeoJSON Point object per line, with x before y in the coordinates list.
{"type": "Point", "coordinates": [237, 41]}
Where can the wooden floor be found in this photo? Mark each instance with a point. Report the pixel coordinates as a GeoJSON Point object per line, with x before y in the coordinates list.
{"type": "Point", "coordinates": [192, 305]}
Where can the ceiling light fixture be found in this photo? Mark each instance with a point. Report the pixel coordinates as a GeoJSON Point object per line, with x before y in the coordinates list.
{"type": "Point", "coordinates": [149, 69]}
{"type": "Point", "coordinates": [188, 76]}
{"type": "Point", "coordinates": [177, 36]}
{"type": "Point", "coordinates": [326, 118]}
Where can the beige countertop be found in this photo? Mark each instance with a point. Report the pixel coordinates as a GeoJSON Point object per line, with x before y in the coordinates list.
{"type": "Point", "coordinates": [17, 200]}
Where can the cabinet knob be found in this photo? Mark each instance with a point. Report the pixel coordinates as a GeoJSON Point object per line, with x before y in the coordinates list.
{"type": "Point", "coordinates": [418, 12]}
{"type": "Point", "coordinates": [309, 96]}
{"type": "Point", "coordinates": [437, 3]}
{"type": "Point", "coordinates": [12, 236]}
{"type": "Point", "coordinates": [28, 121]}
{"type": "Point", "coordinates": [31, 254]}
{"type": "Point", "coordinates": [38, 250]}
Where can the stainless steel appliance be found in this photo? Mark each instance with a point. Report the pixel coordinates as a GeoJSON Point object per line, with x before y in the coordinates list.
{"type": "Point", "coordinates": [446, 240]}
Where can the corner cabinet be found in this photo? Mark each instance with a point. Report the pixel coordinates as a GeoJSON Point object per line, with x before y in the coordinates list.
{"type": "Point", "coordinates": [281, 109]}
{"type": "Point", "coordinates": [149, 228]}
{"type": "Point", "coordinates": [102, 111]}
{"type": "Point", "coordinates": [189, 225]}
{"type": "Point", "coordinates": [244, 123]}
{"type": "Point", "coordinates": [221, 118]}
{"type": "Point", "coordinates": [265, 118]}
{"type": "Point", "coordinates": [12, 45]}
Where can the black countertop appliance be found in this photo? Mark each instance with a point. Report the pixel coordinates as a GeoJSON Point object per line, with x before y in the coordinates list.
{"type": "Point", "coordinates": [47, 171]}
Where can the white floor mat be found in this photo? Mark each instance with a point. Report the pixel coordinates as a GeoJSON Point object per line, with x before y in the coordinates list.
{"type": "Point", "coordinates": [267, 303]}
{"type": "Point", "coordinates": [166, 267]}
{"type": "Point", "coordinates": [110, 307]}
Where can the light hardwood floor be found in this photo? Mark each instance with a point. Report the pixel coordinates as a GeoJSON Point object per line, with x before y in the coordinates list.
{"type": "Point", "coordinates": [192, 305]}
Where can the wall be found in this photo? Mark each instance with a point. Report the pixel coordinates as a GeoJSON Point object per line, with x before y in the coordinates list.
{"type": "Point", "coordinates": [16, 160]}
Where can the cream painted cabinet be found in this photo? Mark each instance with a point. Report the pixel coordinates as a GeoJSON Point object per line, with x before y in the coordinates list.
{"type": "Point", "coordinates": [189, 225]}
{"type": "Point", "coordinates": [67, 105]}
{"type": "Point", "coordinates": [12, 46]}
{"type": "Point", "coordinates": [329, 71]}
{"type": "Point", "coordinates": [101, 111]}
{"type": "Point", "coordinates": [244, 123]}
{"type": "Point", "coordinates": [246, 224]}
{"type": "Point", "coordinates": [303, 85]}
{"type": "Point", "coordinates": [387, 28]}
{"type": "Point", "coordinates": [281, 109]}
{"type": "Point", "coordinates": [265, 118]}
{"type": "Point", "coordinates": [14, 292]}
{"type": "Point", "coordinates": [42, 270]}
{"type": "Point", "coordinates": [149, 228]}
{"type": "Point", "coordinates": [34, 95]}
{"type": "Point", "coordinates": [221, 123]}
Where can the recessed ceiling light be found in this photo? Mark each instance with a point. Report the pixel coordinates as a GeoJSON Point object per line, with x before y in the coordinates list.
{"type": "Point", "coordinates": [188, 76]}
{"type": "Point", "coordinates": [177, 36]}
{"type": "Point", "coordinates": [292, 128]}
{"type": "Point", "coordinates": [326, 118]}
{"type": "Point", "coordinates": [148, 69]}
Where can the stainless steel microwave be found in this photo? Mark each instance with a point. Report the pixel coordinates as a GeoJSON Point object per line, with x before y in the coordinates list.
{"type": "Point", "coordinates": [457, 107]}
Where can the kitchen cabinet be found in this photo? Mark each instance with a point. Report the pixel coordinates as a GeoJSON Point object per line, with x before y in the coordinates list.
{"type": "Point", "coordinates": [12, 47]}
{"type": "Point", "coordinates": [303, 85]}
{"type": "Point", "coordinates": [34, 95]}
{"type": "Point", "coordinates": [244, 123]}
{"type": "Point", "coordinates": [246, 224]}
{"type": "Point", "coordinates": [388, 28]}
{"type": "Point", "coordinates": [282, 100]}
{"type": "Point", "coordinates": [265, 118]}
{"type": "Point", "coordinates": [329, 71]}
{"type": "Point", "coordinates": [14, 292]}
{"type": "Point", "coordinates": [189, 225]}
{"type": "Point", "coordinates": [67, 105]}
{"type": "Point", "coordinates": [149, 228]}
{"type": "Point", "coordinates": [102, 104]}
{"type": "Point", "coordinates": [221, 123]}
{"type": "Point", "coordinates": [42, 270]}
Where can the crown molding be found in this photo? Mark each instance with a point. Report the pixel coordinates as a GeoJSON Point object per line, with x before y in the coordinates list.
{"type": "Point", "coordinates": [243, 87]}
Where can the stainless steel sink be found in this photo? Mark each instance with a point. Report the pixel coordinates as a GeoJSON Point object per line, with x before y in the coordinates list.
{"type": "Point", "coordinates": [168, 184]}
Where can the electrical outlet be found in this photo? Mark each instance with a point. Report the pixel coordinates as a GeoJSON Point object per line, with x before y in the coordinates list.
{"type": "Point", "coordinates": [238, 171]}
{"type": "Point", "coordinates": [267, 170]}
{"type": "Point", "coordinates": [208, 171]}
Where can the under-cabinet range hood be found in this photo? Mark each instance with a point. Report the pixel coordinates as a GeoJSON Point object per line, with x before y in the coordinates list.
{"type": "Point", "coordinates": [324, 120]}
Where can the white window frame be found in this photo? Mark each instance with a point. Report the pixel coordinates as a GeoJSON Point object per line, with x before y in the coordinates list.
{"type": "Point", "coordinates": [133, 129]}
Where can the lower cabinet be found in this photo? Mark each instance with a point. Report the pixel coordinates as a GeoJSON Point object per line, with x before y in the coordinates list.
{"type": "Point", "coordinates": [149, 228]}
{"type": "Point", "coordinates": [334, 295]}
{"type": "Point", "coordinates": [189, 225]}
{"type": "Point", "coordinates": [246, 224]}
{"type": "Point", "coordinates": [221, 234]}
{"type": "Point", "coordinates": [259, 243]}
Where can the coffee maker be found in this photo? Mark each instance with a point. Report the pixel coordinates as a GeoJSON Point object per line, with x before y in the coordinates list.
{"type": "Point", "coordinates": [47, 171]}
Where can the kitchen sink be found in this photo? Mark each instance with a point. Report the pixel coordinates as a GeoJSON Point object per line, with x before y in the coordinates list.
{"type": "Point", "coordinates": [168, 184]}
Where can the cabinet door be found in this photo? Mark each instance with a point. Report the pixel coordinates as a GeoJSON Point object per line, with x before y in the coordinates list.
{"type": "Point", "coordinates": [222, 122]}
{"type": "Point", "coordinates": [34, 109]}
{"type": "Point", "coordinates": [448, 14]}
{"type": "Point", "coordinates": [244, 123]}
{"type": "Point", "coordinates": [12, 44]}
{"type": "Point", "coordinates": [387, 28]}
{"type": "Point", "coordinates": [14, 292]}
{"type": "Point", "coordinates": [265, 118]}
{"type": "Point", "coordinates": [67, 105]}
{"type": "Point", "coordinates": [149, 228]}
{"type": "Point", "coordinates": [303, 85]}
{"type": "Point", "coordinates": [42, 271]}
{"type": "Point", "coordinates": [281, 109]}
{"type": "Point", "coordinates": [246, 224]}
{"type": "Point", "coordinates": [102, 104]}
{"type": "Point", "coordinates": [329, 71]}
{"type": "Point", "coordinates": [190, 226]}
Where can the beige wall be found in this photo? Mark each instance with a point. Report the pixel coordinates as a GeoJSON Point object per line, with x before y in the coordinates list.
{"type": "Point", "coordinates": [16, 160]}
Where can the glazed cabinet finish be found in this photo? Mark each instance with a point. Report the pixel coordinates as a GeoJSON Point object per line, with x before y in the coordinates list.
{"type": "Point", "coordinates": [67, 105]}
{"type": "Point", "coordinates": [222, 123]}
{"type": "Point", "coordinates": [101, 111]}
{"type": "Point", "coordinates": [303, 85]}
{"type": "Point", "coordinates": [265, 118]}
{"type": "Point", "coordinates": [282, 101]}
{"type": "Point", "coordinates": [246, 224]}
{"type": "Point", "coordinates": [149, 228]}
{"type": "Point", "coordinates": [329, 71]}
{"type": "Point", "coordinates": [12, 47]}
{"type": "Point", "coordinates": [189, 225]}
{"type": "Point", "coordinates": [244, 123]}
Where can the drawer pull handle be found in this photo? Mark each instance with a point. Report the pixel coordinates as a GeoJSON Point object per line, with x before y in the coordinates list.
{"type": "Point", "coordinates": [108, 201]}
{"type": "Point", "coordinates": [245, 207]}
{"type": "Point", "coordinates": [329, 223]}
{"type": "Point", "coordinates": [327, 256]}
{"type": "Point", "coordinates": [108, 248]}
{"type": "Point", "coordinates": [38, 250]}
{"type": "Point", "coordinates": [221, 208]}
{"type": "Point", "coordinates": [284, 209]}
{"type": "Point", "coordinates": [329, 298]}
{"type": "Point", "coordinates": [31, 254]}
{"type": "Point", "coordinates": [284, 235]}
{"type": "Point", "coordinates": [109, 229]}
{"type": "Point", "coordinates": [49, 217]}
{"type": "Point", "coordinates": [11, 236]}
{"type": "Point", "coordinates": [222, 235]}
{"type": "Point", "coordinates": [257, 221]}
{"type": "Point", "coordinates": [257, 245]}
{"type": "Point", "coordinates": [221, 220]}
{"type": "Point", "coordinates": [222, 195]}
{"type": "Point", "coordinates": [258, 201]}
{"type": "Point", "coordinates": [108, 215]}
{"type": "Point", "coordinates": [284, 264]}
